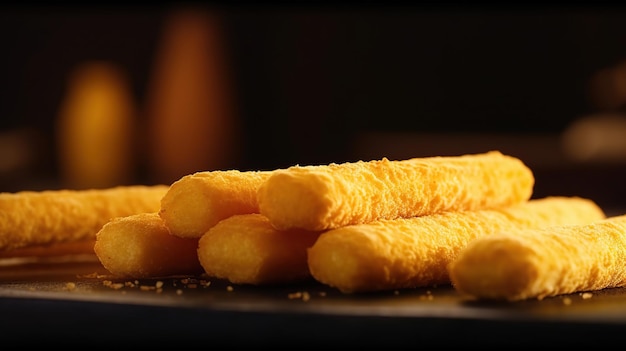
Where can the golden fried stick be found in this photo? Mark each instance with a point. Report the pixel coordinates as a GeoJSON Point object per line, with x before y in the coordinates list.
{"type": "Point", "coordinates": [32, 218]}
{"type": "Point", "coordinates": [140, 246]}
{"type": "Point", "coordinates": [330, 196]}
{"type": "Point", "coordinates": [246, 249]}
{"type": "Point", "coordinates": [522, 264]}
{"type": "Point", "coordinates": [415, 252]}
{"type": "Point", "coordinates": [196, 202]}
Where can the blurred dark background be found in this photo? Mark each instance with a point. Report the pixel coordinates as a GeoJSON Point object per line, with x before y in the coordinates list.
{"type": "Point", "coordinates": [320, 84]}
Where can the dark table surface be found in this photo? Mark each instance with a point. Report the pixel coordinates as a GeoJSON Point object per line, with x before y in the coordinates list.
{"type": "Point", "coordinates": [77, 302]}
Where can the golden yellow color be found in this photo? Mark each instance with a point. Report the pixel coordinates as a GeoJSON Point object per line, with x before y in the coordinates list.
{"type": "Point", "coordinates": [140, 246]}
{"type": "Point", "coordinates": [196, 202]}
{"type": "Point", "coordinates": [521, 264]}
{"type": "Point", "coordinates": [31, 218]}
{"type": "Point", "coordinates": [330, 196]}
{"type": "Point", "coordinates": [415, 252]}
{"type": "Point", "coordinates": [246, 249]}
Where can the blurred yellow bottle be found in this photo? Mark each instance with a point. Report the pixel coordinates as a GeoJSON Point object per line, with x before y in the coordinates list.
{"type": "Point", "coordinates": [192, 125]}
{"type": "Point", "coordinates": [95, 129]}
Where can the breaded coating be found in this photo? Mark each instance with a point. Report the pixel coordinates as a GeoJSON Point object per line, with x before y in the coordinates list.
{"type": "Point", "coordinates": [246, 249]}
{"type": "Point", "coordinates": [32, 218]}
{"type": "Point", "coordinates": [140, 246]}
{"type": "Point", "coordinates": [415, 252]}
{"type": "Point", "coordinates": [196, 202]}
{"type": "Point", "coordinates": [330, 196]}
{"type": "Point", "coordinates": [522, 264]}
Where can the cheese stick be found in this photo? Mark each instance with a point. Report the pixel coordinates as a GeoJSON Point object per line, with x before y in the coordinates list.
{"type": "Point", "coordinates": [523, 264]}
{"type": "Point", "coordinates": [330, 196]}
{"type": "Point", "coordinates": [246, 249]}
{"type": "Point", "coordinates": [415, 252]}
{"type": "Point", "coordinates": [196, 202]}
{"type": "Point", "coordinates": [33, 218]}
{"type": "Point", "coordinates": [140, 246]}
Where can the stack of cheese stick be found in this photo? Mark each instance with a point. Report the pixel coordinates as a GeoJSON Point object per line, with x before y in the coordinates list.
{"type": "Point", "coordinates": [256, 227]}
{"type": "Point", "coordinates": [361, 226]}
{"type": "Point", "coordinates": [165, 242]}
{"type": "Point", "coordinates": [358, 227]}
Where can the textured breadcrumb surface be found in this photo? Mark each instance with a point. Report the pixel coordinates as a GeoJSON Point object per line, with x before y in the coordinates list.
{"type": "Point", "coordinates": [31, 218]}
{"type": "Point", "coordinates": [140, 246]}
{"type": "Point", "coordinates": [415, 252]}
{"type": "Point", "coordinates": [330, 196]}
{"type": "Point", "coordinates": [196, 202]}
{"type": "Point", "coordinates": [246, 249]}
{"type": "Point", "coordinates": [522, 264]}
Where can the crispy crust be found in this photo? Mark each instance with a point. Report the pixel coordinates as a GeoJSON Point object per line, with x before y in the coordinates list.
{"type": "Point", "coordinates": [330, 196]}
{"type": "Point", "coordinates": [198, 201]}
{"type": "Point", "coordinates": [246, 249]}
{"type": "Point", "coordinates": [140, 246]}
{"type": "Point", "coordinates": [522, 264]}
{"type": "Point", "coordinates": [415, 252]}
{"type": "Point", "coordinates": [31, 218]}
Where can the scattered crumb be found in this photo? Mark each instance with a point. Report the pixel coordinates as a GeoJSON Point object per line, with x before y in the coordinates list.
{"type": "Point", "coordinates": [89, 275]}
{"type": "Point", "coordinates": [179, 291]}
{"type": "Point", "coordinates": [158, 286]}
{"type": "Point", "coordinates": [586, 295]}
{"type": "Point", "coordinates": [428, 295]}
{"type": "Point", "coordinates": [567, 301]}
{"type": "Point", "coordinates": [112, 285]}
{"type": "Point", "coordinates": [70, 286]}
{"type": "Point", "coordinates": [302, 295]}
{"type": "Point", "coordinates": [229, 288]}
